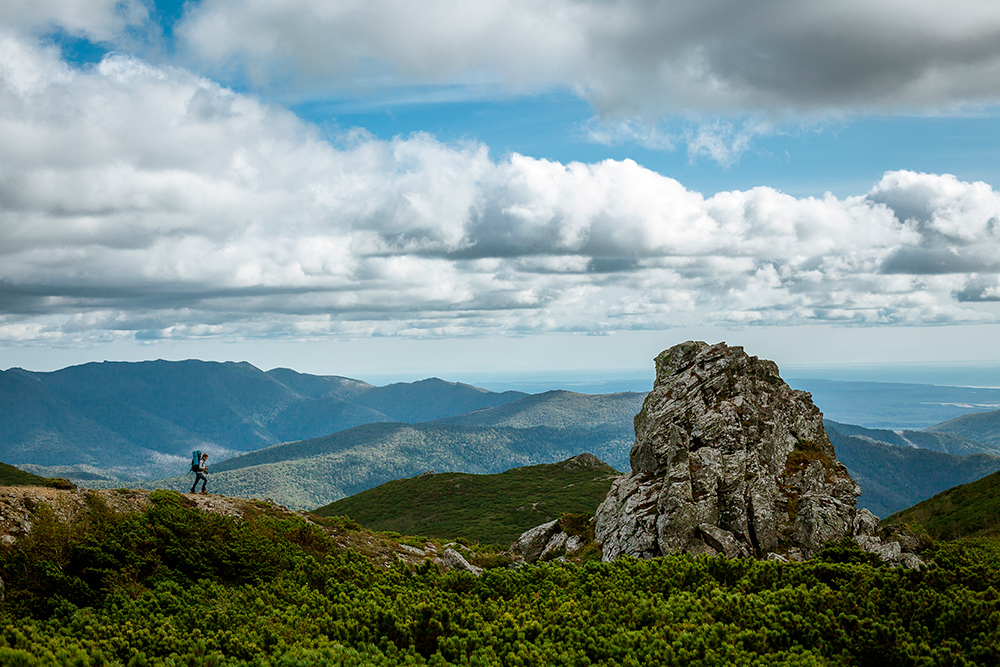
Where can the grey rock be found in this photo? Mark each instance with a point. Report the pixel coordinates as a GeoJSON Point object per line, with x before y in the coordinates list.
{"type": "Point", "coordinates": [456, 561]}
{"type": "Point", "coordinates": [722, 541]}
{"type": "Point", "coordinates": [411, 550]}
{"type": "Point", "coordinates": [722, 441]}
{"type": "Point", "coordinates": [869, 543]}
{"type": "Point", "coordinates": [891, 552]}
{"type": "Point", "coordinates": [532, 542]}
{"type": "Point", "coordinates": [585, 460]}
{"type": "Point", "coordinates": [556, 546]}
{"type": "Point", "coordinates": [574, 544]}
{"type": "Point", "coordinates": [865, 523]}
{"type": "Point", "coordinates": [911, 561]}
{"type": "Point", "coordinates": [776, 557]}
{"type": "Point", "coordinates": [907, 539]}
{"type": "Point", "coordinates": [794, 555]}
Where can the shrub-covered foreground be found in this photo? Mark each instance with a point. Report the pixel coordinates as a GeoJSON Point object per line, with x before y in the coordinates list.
{"type": "Point", "coordinates": [175, 586]}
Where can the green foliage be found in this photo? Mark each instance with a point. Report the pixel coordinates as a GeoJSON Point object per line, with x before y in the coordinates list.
{"type": "Point", "coordinates": [176, 587]}
{"type": "Point", "coordinates": [11, 476]}
{"type": "Point", "coordinates": [894, 477]}
{"type": "Point", "coordinates": [579, 525]}
{"type": "Point", "coordinates": [340, 522]}
{"type": "Point", "coordinates": [480, 508]}
{"type": "Point", "coordinates": [804, 453]}
{"type": "Point", "coordinates": [968, 510]}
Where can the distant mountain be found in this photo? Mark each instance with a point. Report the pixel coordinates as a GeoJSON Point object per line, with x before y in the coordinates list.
{"type": "Point", "coordinates": [315, 472]}
{"type": "Point", "coordinates": [894, 474]}
{"type": "Point", "coordinates": [560, 409]}
{"type": "Point", "coordinates": [981, 426]}
{"type": "Point", "coordinates": [938, 441]}
{"type": "Point", "coordinates": [969, 510]}
{"type": "Point", "coordinates": [145, 418]}
{"type": "Point", "coordinates": [482, 508]}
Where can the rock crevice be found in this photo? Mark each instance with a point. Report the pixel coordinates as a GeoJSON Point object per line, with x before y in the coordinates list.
{"type": "Point", "coordinates": [728, 459]}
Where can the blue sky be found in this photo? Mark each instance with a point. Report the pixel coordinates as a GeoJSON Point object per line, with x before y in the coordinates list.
{"type": "Point", "coordinates": [379, 188]}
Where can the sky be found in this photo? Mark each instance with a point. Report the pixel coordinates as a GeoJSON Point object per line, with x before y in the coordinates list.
{"type": "Point", "coordinates": [401, 189]}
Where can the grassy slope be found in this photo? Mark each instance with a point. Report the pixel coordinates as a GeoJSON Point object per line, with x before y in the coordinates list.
{"type": "Point", "coordinates": [174, 585]}
{"type": "Point", "coordinates": [315, 472]}
{"type": "Point", "coordinates": [11, 476]}
{"type": "Point", "coordinates": [968, 510]}
{"type": "Point", "coordinates": [981, 426]}
{"type": "Point", "coordinates": [482, 508]}
{"type": "Point", "coordinates": [894, 477]}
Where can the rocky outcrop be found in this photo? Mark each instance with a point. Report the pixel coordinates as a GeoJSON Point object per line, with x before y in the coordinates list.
{"type": "Point", "coordinates": [453, 560]}
{"type": "Point", "coordinates": [728, 459]}
{"type": "Point", "coordinates": [546, 542]}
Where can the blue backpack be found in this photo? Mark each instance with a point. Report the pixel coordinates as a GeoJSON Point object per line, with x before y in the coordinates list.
{"type": "Point", "coordinates": [195, 459]}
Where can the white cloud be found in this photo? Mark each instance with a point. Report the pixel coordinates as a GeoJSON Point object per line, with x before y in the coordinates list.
{"type": "Point", "coordinates": [96, 20]}
{"type": "Point", "coordinates": [148, 201]}
{"type": "Point", "coordinates": [632, 58]}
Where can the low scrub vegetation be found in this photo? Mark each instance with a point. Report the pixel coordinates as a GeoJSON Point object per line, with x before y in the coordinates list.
{"type": "Point", "coordinates": [175, 586]}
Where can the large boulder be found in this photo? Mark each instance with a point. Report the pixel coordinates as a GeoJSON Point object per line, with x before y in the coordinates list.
{"type": "Point", "coordinates": [727, 459]}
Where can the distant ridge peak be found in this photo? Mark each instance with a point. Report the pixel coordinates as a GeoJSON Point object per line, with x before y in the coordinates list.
{"type": "Point", "coordinates": [585, 460]}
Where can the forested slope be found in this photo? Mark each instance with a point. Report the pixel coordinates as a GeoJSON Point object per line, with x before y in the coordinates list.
{"type": "Point", "coordinates": [893, 477]}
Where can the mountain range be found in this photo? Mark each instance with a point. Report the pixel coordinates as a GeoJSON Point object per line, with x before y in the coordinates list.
{"type": "Point", "coordinates": [306, 440]}
{"type": "Point", "coordinates": [895, 473]}
{"type": "Point", "coordinates": [314, 472]}
{"type": "Point", "coordinates": [145, 418]}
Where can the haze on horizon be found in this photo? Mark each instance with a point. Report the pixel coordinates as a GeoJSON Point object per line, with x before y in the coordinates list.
{"type": "Point", "coordinates": [369, 188]}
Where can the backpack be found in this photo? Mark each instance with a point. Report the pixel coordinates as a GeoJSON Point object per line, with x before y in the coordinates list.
{"type": "Point", "coordinates": [195, 460]}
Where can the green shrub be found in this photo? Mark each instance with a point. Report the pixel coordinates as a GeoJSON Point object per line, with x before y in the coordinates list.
{"type": "Point", "coordinates": [175, 586]}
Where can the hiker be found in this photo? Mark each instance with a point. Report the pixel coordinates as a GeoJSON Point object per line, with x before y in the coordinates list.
{"type": "Point", "coordinates": [200, 469]}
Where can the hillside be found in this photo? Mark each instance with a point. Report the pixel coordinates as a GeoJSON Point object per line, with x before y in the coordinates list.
{"type": "Point", "coordinates": [135, 578]}
{"type": "Point", "coordinates": [315, 472]}
{"type": "Point", "coordinates": [145, 418]}
{"type": "Point", "coordinates": [938, 441]}
{"type": "Point", "coordinates": [981, 426]}
{"type": "Point", "coordinates": [11, 476]}
{"type": "Point", "coordinates": [968, 510]}
{"type": "Point", "coordinates": [560, 409]}
{"type": "Point", "coordinates": [893, 476]}
{"type": "Point", "coordinates": [482, 508]}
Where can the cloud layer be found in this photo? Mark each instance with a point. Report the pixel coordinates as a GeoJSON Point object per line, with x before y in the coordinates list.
{"type": "Point", "coordinates": [631, 58]}
{"type": "Point", "coordinates": [148, 201]}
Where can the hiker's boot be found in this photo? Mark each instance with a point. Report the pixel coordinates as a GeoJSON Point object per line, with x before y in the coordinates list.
{"type": "Point", "coordinates": [204, 492]}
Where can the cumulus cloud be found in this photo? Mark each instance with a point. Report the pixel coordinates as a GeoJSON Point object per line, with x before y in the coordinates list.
{"type": "Point", "coordinates": [149, 202]}
{"type": "Point", "coordinates": [631, 58]}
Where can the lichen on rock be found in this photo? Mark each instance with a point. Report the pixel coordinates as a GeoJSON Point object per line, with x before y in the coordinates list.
{"type": "Point", "coordinates": [728, 459]}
